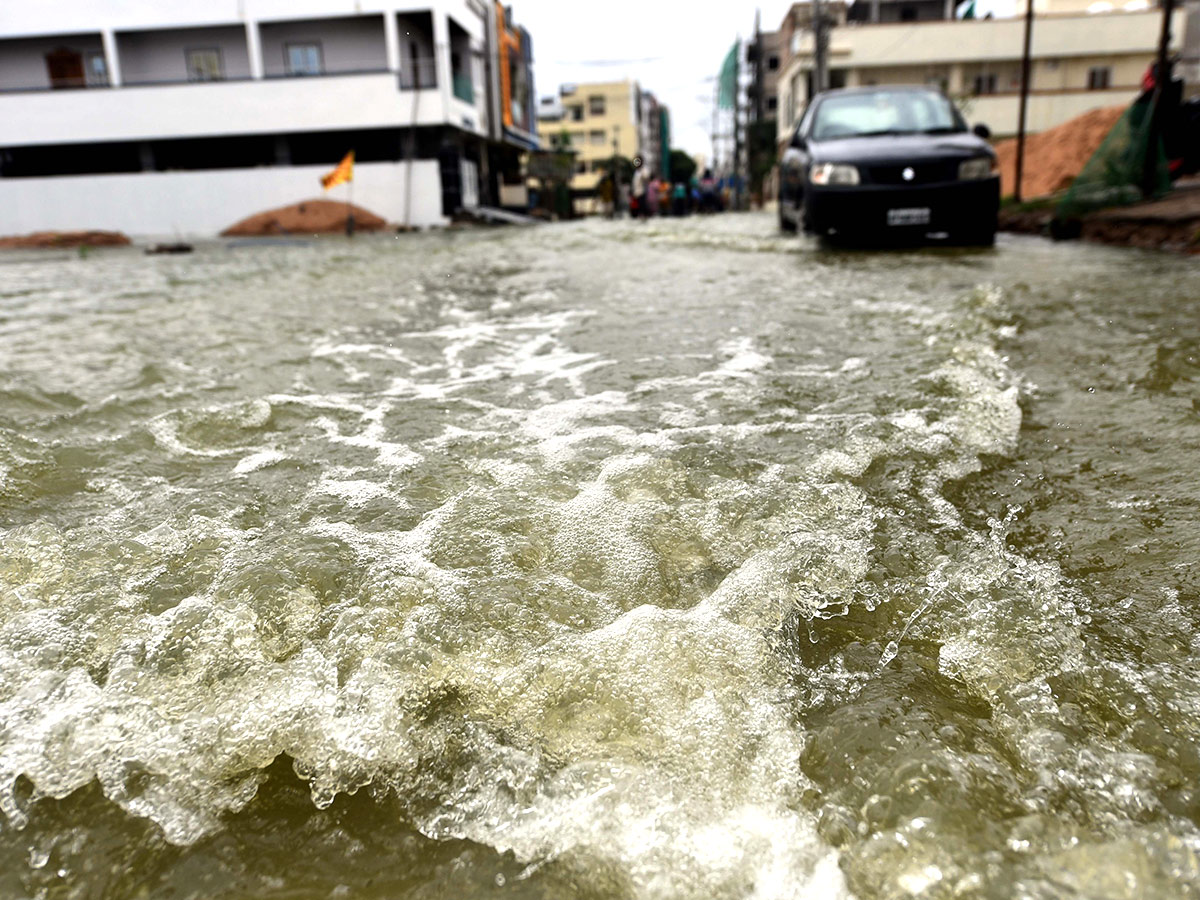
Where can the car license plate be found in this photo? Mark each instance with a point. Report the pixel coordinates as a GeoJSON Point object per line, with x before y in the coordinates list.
{"type": "Point", "coordinates": [917, 215]}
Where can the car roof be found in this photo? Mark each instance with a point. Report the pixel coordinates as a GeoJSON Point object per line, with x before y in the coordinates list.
{"type": "Point", "coordinates": [876, 88]}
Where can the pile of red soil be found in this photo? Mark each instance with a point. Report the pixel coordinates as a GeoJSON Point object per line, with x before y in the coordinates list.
{"type": "Point", "coordinates": [309, 217]}
{"type": "Point", "coordinates": [1053, 158]}
{"type": "Point", "coordinates": [60, 239]}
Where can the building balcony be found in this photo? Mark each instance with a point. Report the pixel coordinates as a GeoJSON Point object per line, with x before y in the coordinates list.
{"type": "Point", "coordinates": [418, 74]}
{"type": "Point", "coordinates": [271, 106]}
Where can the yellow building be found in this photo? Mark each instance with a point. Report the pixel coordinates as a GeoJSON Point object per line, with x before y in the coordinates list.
{"type": "Point", "coordinates": [598, 120]}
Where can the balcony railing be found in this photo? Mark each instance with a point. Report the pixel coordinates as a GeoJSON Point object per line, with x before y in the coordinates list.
{"type": "Point", "coordinates": [464, 88]}
{"type": "Point", "coordinates": [416, 74]}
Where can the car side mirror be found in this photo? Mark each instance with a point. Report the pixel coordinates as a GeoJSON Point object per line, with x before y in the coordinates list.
{"type": "Point", "coordinates": [798, 142]}
{"type": "Point", "coordinates": [983, 131]}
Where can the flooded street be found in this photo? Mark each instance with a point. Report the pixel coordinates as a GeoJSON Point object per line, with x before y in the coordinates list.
{"type": "Point", "coordinates": [600, 560]}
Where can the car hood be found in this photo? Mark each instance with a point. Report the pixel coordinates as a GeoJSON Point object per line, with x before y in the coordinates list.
{"type": "Point", "coordinates": [896, 148]}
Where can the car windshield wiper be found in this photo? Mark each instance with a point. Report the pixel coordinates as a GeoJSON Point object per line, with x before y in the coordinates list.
{"type": "Point", "coordinates": [885, 133]}
{"type": "Point", "coordinates": [947, 129]}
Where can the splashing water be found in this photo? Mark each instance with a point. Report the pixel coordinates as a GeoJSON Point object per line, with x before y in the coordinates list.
{"type": "Point", "coordinates": [602, 560]}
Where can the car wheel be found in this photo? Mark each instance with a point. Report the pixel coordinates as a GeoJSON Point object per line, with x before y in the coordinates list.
{"type": "Point", "coordinates": [802, 217]}
{"type": "Point", "coordinates": [786, 225]}
{"type": "Point", "coordinates": [984, 236]}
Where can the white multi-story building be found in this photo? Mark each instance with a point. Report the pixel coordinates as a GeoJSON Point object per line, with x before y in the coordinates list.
{"type": "Point", "coordinates": [169, 116]}
{"type": "Point", "coordinates": [1080, 61]}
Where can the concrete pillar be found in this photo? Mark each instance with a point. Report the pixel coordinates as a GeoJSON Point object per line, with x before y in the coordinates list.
{"type": "Point", "coordinates": [111, 60]}
{"type": "Point", "coordinates": [948, 9]}
{"type": "Point", "coordinates": [254, 50]}
{"type": "Point", "coordinates": [954, 85]}
{"type": "Point", "coordinates": [391, 38]}
{"type": "Point", "coordinates": [441, 55]}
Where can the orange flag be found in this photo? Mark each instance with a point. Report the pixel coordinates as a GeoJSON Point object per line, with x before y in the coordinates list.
{"type": "Point", "coordinates": [343, 173]}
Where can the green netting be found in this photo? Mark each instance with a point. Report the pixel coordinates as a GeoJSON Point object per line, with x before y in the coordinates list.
{"type": "Point", "coordinates": [1114, 174]}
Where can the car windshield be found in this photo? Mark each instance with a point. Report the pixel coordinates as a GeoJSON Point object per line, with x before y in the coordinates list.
{"type": "Point", "coordinates": [861, 114]}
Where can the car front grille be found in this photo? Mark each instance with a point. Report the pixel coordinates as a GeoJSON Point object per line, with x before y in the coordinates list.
{"type": "Point", "coordinates": [923, 173]}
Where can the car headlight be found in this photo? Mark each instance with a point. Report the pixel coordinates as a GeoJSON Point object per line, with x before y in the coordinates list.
{"type": "Point", "coordinates": [833, 173]}
{"type": "Point", "coordinates": [974, 169]}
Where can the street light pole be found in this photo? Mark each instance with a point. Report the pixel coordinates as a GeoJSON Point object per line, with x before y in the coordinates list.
{"type": "Point", "coordinates": [1025, 66]}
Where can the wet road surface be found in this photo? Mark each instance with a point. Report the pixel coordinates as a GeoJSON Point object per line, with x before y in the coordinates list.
{"type": "Point", "coordinates": [600, 560]}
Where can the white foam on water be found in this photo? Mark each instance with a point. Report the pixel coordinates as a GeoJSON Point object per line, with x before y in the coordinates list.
{"type": "Point", "coordinates": [605, 658]}
{"type": "Point", "coordinates": [356, 492]}
{"type": "Point", "coordinates": [742, 359]}
{"type": "Point", "coordinates": [260, 460]}
{"type": "Point", "coordinates": [394, 455]}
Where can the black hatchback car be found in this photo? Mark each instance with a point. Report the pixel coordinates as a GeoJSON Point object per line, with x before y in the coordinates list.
{"type": "Point", "coordinates": [889, 162]}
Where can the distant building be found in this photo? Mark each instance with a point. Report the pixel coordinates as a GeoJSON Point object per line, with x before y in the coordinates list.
{"type": "Point", "coordinates": [653, 137]}
{"type": "Point", "coordinates": [173, 116]}
{"type": "Point", "coordinates": [765, 56]}
{"type": "Point", "coordinates": [1080, 62]}
{"type": "Point", "coordinates": [597, 121]}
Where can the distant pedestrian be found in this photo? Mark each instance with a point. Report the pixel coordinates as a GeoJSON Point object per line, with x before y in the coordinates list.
{"type": "Point", "coordinates": [679, 198]}
{"type": "Point", "coordinates": [638, 196]}
{"type": "Point", "coordinates": [652, 189]}
{"type": "Point", "coordinates": [708, 193]}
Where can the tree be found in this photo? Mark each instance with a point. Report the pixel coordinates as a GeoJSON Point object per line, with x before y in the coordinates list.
{"type": "Point", "coordinates": [624, 167]}
{"type": "Point", "coordinates": [682, 166]}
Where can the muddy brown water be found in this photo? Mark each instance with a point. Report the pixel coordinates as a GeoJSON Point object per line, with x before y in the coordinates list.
{"type": "Point", "coordinates": [600, 560]}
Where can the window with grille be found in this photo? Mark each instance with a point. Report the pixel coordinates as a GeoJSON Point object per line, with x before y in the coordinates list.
{"type": "Point", "coordinates": [984, 84]}
{"type": "Point", "coordinates": [303, 59]}
{"type": "Point", "coordinates": [1099, 78]}
{"type": "Point", "coordinates": [204, 64]}
{"type": "Point", "coordinates": [96, 68]}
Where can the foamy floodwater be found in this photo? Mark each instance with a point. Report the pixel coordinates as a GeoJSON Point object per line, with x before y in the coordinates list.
{"type": "Point", "coordinates": [603, 560]}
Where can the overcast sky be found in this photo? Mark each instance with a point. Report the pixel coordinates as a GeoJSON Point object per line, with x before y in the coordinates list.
{"type": "Point", "coordinates": [673, 48]}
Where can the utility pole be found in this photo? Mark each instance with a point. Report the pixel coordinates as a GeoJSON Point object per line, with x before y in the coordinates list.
{"type": "Point", "coordinates": [754, 127]}
{"type": "Point", "coordinates": [1161, 83]}
{"type": "Point", "coordinates": [616, 184]}
{"type": "Point", "coordinates": [759, 64]}
{"type": "Point", "coordinates": [1025, 66]}
{"type": "Point", "coordinates": [715, 166]}
{"type": "Point", "coordinates": [737, 129]}
{"type": "Point", "coordinates": [820, 27]}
